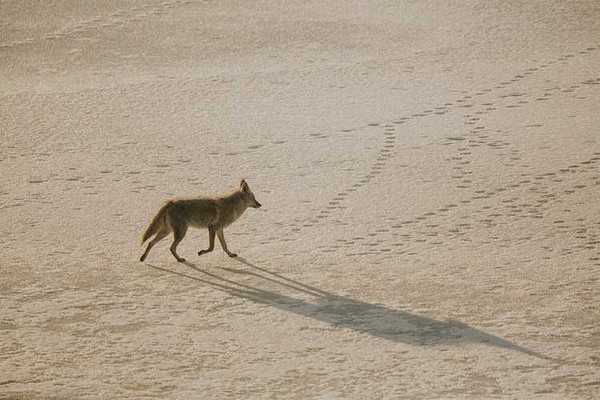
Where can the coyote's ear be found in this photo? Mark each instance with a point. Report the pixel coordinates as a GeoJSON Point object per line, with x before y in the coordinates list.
{"type": "Point", "coordinates": [244, 186]}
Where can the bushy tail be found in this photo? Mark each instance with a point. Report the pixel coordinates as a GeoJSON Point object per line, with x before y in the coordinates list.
{"type": "Point", "coordinates": [157, 222]}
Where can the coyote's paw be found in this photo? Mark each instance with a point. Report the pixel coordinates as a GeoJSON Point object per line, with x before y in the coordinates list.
{"type": "Point", "coordinates": [232, 255]}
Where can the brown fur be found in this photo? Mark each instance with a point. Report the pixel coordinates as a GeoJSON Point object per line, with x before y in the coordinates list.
{"type": "Point", "coordinates": [203, 212]}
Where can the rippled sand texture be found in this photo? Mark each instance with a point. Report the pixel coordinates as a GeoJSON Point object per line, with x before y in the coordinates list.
{"type": "Point", "coordinates": [429, 175]}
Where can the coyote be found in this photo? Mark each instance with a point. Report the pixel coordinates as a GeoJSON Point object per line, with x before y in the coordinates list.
{"type": "Point", "coordinates": [212, 213]}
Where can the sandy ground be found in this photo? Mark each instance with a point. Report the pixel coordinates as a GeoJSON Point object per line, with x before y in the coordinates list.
{"type": "Point", "coordinates": [429, 177]}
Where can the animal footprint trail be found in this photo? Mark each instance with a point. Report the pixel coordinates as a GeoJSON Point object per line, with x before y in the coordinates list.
{"type": "Point", "coordinates": [484, 217]}
{"type": "Point", "coordinates": [473, 106]}
{"type": "Point", "coordinates": [464, 102]}
{"type": "Point", "coordinates": [480, 138]}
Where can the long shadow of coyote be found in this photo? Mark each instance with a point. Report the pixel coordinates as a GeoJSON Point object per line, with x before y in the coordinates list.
{"type": "Point", "coordinates": [344, 312]}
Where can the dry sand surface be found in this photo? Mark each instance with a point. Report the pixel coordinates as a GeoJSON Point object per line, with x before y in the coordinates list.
{"type": "Point", "coordinates": [429, 174]}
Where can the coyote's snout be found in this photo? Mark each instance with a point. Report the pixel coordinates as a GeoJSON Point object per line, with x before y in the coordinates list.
{"type": "Point", "coordinates": [212, 213]}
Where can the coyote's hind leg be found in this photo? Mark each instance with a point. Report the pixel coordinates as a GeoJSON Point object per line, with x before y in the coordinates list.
{"type": "Point", "coordinates": [178, 233]}
{"type": "Point", "coordinates": [160, 235]}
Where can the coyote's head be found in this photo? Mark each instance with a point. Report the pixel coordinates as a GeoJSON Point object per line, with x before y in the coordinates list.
{"type": "Point", "coordinates": [248, 196]}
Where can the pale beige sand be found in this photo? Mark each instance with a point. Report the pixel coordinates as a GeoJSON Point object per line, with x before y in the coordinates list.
{"type": "Point", "coordinates": [429, 178]}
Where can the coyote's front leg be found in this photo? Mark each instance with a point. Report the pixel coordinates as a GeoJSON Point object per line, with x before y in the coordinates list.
{"type": "Point", "coordinates": [211, 241]}
{"type": "Point", "coordinates": [224, 244]}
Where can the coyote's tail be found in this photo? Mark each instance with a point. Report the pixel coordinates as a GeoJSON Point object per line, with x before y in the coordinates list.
{"type": "Point", "coordinates": [157, 222]}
